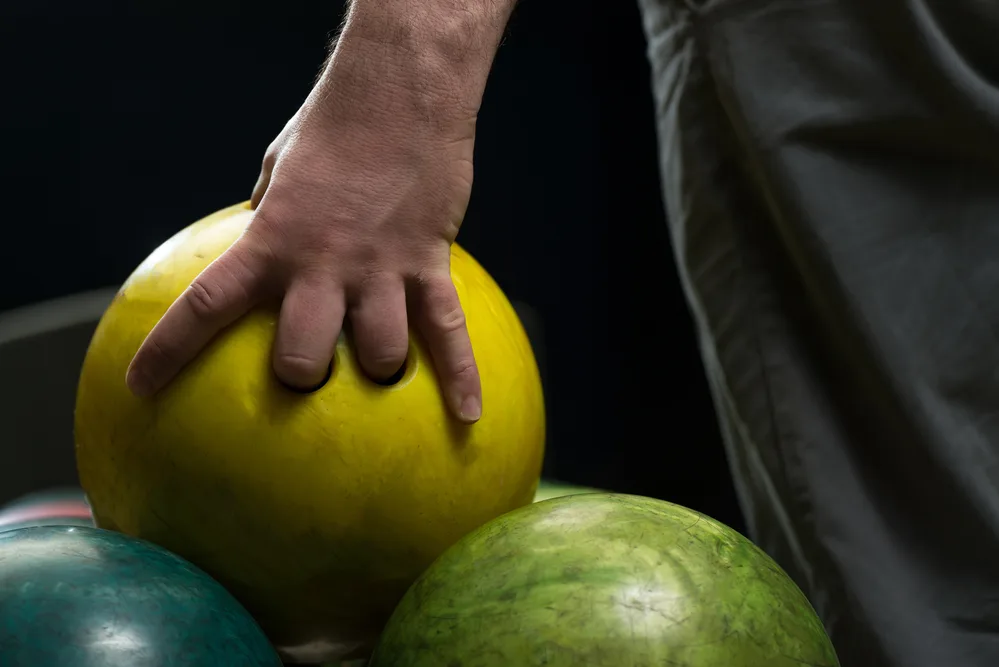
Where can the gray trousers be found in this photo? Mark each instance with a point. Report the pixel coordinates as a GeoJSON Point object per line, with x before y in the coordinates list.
{"type": "Point", "coordinates": [831, 175]}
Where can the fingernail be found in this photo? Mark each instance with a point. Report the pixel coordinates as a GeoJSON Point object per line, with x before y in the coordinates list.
{"type": "Point", "coordinates": [471, 409]}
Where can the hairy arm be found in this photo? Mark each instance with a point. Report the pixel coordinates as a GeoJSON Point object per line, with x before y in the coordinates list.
{"type": "Point", "coordinates": [433, 55]}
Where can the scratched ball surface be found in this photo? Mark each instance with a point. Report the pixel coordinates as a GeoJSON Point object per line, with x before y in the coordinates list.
{"type": "Point", "coordinates": [93, 598]}
{"type": "Point", "coordinates": [604, 580]}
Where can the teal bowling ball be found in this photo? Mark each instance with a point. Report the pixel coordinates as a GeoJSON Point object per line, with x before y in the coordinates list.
{"type": "Point", "coordinates": [34, 522]}
{"type": "Point", "coordinates": [85, 597]}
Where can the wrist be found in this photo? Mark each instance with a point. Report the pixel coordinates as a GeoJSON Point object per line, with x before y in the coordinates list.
{"type": "Point", "coordinates": [440, 49]}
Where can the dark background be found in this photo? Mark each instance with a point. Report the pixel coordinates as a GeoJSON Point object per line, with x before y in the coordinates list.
{"type": "Point", "coordinates": [123, 122]}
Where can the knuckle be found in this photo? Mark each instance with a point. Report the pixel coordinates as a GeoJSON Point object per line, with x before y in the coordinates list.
{"type": "Point", "coordinates": [464, 368]}
{"type": "Point", "coordinates": [257, 239]}
{"type": "Point", "coordinates": [424, 280]}
{"type": "Point", "coordinates": [204, 300]}
{"type": "Point", "coordinates": [372, 272]}
{"type": "Point", "coordinates": [223, 287]}
{"type": "Point", "coordinates": [451, 320]}
{"type": "Point", "coordinates": [437, 283]}
{"type": "Point", "coordinates": [248, 261]}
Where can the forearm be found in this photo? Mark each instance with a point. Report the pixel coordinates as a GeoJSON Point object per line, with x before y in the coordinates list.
{"type": "Point", "coordinates": [438, 51]}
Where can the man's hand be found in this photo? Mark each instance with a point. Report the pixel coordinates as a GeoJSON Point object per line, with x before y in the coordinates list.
{"type": "Point", "coordinates": [358, 202]}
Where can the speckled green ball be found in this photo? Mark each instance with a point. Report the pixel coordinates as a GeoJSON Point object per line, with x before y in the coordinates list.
{"type": "Point", "coordinates": [604, 580]}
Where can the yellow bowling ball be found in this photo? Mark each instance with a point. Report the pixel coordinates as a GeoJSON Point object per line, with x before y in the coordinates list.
{"type": "Point", "coordinates": [316, 510]}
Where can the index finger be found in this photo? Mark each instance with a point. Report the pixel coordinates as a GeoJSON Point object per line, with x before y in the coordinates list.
{"type": "Point", "coordinates": [221, 294]}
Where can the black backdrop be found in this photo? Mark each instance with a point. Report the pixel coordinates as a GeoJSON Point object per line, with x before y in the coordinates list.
{"type": "Point", "coordinates": [123, 122]}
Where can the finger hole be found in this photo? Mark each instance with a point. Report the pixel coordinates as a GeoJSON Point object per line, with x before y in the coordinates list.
{"type": "Point", "coordinates": [395, 378]}
{"type": "Point", "coordinates": [405, 373]}
{"type": "Point", "coordinates": [309, 326]}
{"type": "Point", "coordinates": [311, 390]}
{"type": "Point", "coordinates": [379, 332]}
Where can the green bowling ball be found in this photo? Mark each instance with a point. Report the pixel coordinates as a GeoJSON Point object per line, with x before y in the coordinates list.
{"type": "Point", "coordinates": [604, 580]}
{"type": "Point", "coordinates": [85, 597]}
